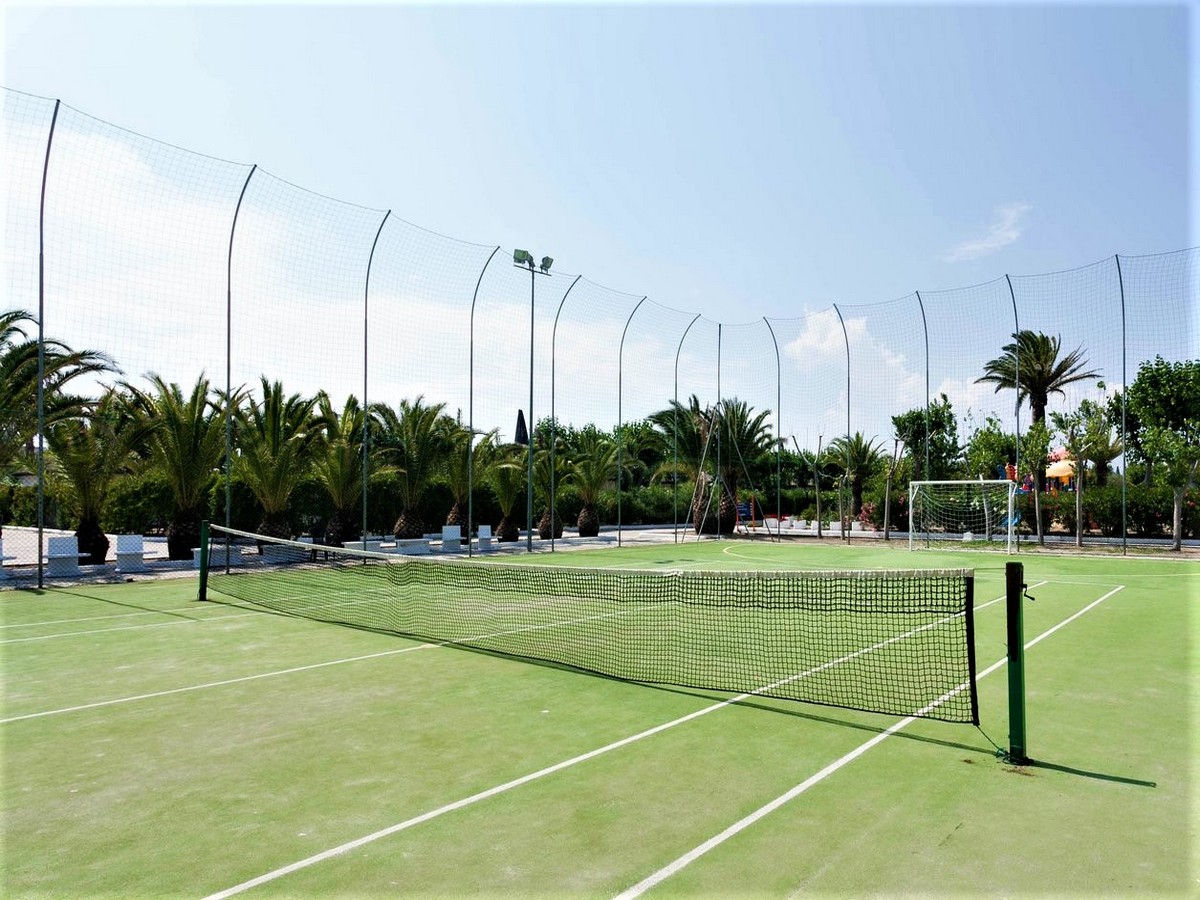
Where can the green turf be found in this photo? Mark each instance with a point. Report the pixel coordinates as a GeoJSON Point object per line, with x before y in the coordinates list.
{"type": "Point", "coordinates": [200, 785]}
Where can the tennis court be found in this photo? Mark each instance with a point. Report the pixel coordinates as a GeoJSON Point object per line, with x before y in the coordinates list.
{"type": "Point", "coordinates": [154, 745]}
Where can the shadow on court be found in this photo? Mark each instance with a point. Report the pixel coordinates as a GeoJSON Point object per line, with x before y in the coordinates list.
{"type": "Point", "coordinates": [110, 602]}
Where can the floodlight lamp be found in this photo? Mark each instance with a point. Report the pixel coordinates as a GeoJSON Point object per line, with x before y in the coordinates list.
{"type": "Point", "coordinates": [522, 258]}
{"type": "Point", "coordinates": [547, 262]}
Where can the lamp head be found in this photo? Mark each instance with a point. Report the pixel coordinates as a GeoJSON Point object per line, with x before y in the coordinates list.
{"type": "Point", "coordinates": [547, 262]}
{"type": "Point", "coordinates": [522, 258]}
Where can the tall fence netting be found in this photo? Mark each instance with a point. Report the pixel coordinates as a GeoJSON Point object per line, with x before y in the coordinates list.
{"type": "Point", "coordinates": [178, 265]}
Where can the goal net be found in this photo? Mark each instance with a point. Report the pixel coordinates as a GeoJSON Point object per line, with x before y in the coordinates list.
{"type": "Point", "coordinates": [962, 511]}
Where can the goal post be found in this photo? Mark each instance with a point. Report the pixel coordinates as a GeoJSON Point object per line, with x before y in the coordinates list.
{"type": "Point", "coordinates": [962, 511]}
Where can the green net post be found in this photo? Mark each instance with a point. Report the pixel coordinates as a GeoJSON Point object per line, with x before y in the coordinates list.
{"type": "Point", "coordinates": [1014, 583]}
{"type": "Point", "coordinates": [203, 561]}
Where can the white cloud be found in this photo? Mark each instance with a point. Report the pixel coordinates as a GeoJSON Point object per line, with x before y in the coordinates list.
{"type": "Point", "coordinates": [1004, 231]}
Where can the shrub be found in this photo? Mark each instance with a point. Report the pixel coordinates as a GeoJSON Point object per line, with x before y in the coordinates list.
{"type": "Point", "coordinates": [138, 504]}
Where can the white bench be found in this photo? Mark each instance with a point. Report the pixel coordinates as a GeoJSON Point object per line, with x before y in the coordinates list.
{"type": "Point", "coordinates": [485, 538]}
{"type": "Point", "coordinates": [413, 546]}
{"type": "Point", "coordinates": [131, 555]}
{"type": "Point", "coordinates": [3, 559]}
{"type": "Point", "coordinates": [216, 556]}
{"type": "Point", "coordinates": [451, 539]}
{"type": "Point", "coordinates": [374, 545]}
{"type": "Point", "coordinates": [62, 556]}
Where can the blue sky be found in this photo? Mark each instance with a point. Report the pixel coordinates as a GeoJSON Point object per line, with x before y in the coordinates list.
{"type": "Point", "coordinates": [736, 160]}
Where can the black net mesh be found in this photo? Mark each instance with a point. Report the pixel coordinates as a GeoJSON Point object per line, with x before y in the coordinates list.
{"type": "Point", "coordinates": [881, 641]}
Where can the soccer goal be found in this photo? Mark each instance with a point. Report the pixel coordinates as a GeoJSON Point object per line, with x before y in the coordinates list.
{"type": "Point", "coordinates": [963, 511]}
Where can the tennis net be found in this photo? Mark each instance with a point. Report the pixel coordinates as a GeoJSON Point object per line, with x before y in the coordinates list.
{"type": "Point", "coordinates": [897, 642]}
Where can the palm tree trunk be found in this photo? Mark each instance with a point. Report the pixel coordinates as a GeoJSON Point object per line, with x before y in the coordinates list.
{"type": "Point", "coordinates": [1037, 514]}
{"type": "Point", "coordinates": [1079, 505]}
{"type": "Point", "coordinates": [1177, 519]}
{"type": "Point", "coordinates": [93, 543]}
{"type": "Point", "coordinates": [183, 534]}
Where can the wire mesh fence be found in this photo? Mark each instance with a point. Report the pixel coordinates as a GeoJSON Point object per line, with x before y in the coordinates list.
{"type": "Point", "coordinates": [180, 265]}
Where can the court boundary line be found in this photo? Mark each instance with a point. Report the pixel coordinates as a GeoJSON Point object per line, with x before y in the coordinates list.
{"type": "Point", "coordinates": [147, 612]}
{"type": "Point", "coordinates": [463, 802]}
{"type": "Point", "coordinates": [65, 634]}
{"type": "Point", "coordinates": [196, 687]}
{"type": "Point", "coordinates": [742, 824]}
{"type": "Point", "coordinates": [211, 684]}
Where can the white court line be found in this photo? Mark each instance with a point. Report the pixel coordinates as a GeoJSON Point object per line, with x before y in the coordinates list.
{"type": "Point", "coordinates": [64, 634]}
{"type": "Point", "coordinates": [692, 855]}
{"type": "Point", "coordinates": [211, 684]}
{"type": "Point", "coordinates": [149, 612]}
{"type": "Point", "coordinates": [541, 773]}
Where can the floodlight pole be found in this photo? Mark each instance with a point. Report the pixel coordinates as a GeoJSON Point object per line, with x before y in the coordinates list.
{"type": "Point", "coordinates": [527, 262]}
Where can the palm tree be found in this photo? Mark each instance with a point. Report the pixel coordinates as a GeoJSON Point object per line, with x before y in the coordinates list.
{"type": "Point", "coordinates": [858, 459]}
{"type": "Point", "coordinates": [19, 381]}
{"type": "Point", "coordinates": [337, 464]}
{"type": "Point", "coordinates": [1031, 366]}
{"type": "Point", "coordinates": [508, 483]}
{"type": "Point", "coordinates": [684, 432]}
{"type": "Point", "coordinates": [592, 466]}
{"type": "Point", "coordinates": [92, 453]}
{"type": "Point", "coordinates": [186, 439]}
{"type": "Point", "coordinates": [275, 441]}
{"type": "Point", "coordinates": [417, 441]}
{"type": "Point", "coordinates": [542, 472]}
{"type": "Point", "coordinates": [716, 447]}
{"type": "Point", "coordinates": [482, 453]}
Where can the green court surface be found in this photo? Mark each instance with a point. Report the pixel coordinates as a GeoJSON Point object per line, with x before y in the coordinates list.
{"type": "Point", "coordinates": [156, 746]}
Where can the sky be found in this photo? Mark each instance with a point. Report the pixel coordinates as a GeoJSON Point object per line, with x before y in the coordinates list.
{"type": "Point", "coordinates": [728, 158]}
{"type": "Point", "coordinates": [733, 160]}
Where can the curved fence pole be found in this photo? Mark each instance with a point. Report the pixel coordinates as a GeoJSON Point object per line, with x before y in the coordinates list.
{"type": "Point", "coordinates": [675, 434]}
{"type": "Point", "coordinates": [719, 421]}
{"type": "Point", "coordinates": [925, 329]}
{"type": "Point", "coordinates": [1124, 393]}
{"type": "Point", "coordinates": [229, 363]}
{"type": "Point", "coordinates": [41, 358]}
{"type": "Point", "coordinates": [778, 432]}
{"type": "Point", "coordinates": [553, 420]}
{"type": "Point", "coordinates": [471, 404]}
{"type": "Point", "coordinates": [1037, 480]}
{"type": "Point", "coordinates": [846, 480]}
{"type": "Point", "coordinates": [366, 435]}
{"type": "Point", "coordinates": [620, 413]}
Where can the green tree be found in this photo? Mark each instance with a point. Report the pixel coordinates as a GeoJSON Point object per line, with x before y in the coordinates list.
{"type": "Point", "coordinates": [1166, 399]}
{"type": "Point", "coordinates": [416, 440]}
{"type": "Point", "coordinates": [275, 441]}
{"type": "Point", "coordinates": [989, 447]}
{"type": "Point", "coordinates": [1103, 444]}
{"type": "Point", "coordinates": [1035, 455]}
{"type": "Point", "coordinates": [483, 451]}
{"type": "Point", "coordinates": [593, 466]}
{"type": "Point", "coordinates": [550, 473]}
{"type": "Point", "coordinates": [741, 438]}
{"type": "Point", "coordinates": [943, 446]}
{"type": "Point", "coordinates": [1031, 366]}
{"type": "Point", "coordinates": [92, 452]}
{"type": "Point", "coordinates": [337, 465]}
{"type": "Point", "coordinates": [19, 382]}
{"type": "Point", "coordinates": [858, 459]}
{"type": "Point", "coordinates": [507, 476]}
{"type": "Point", "coordinates": [1077, 439]}
{"type": "Point", "coordinates": [186, 440]}
{"type": "Point", "coordinates": [683, 440]}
